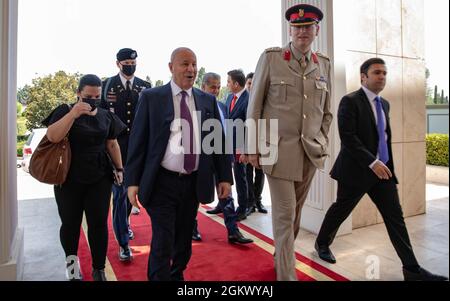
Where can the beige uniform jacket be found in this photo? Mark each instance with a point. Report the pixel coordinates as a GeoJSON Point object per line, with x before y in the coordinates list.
{"type": "Point", "coordinates": [299, 98]}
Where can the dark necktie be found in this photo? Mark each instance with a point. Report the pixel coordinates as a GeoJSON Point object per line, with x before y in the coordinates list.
{"type": "Point", "coordinates": [128, 89]}
{"type": "Point", "coordinates": [187, 135]}
{"type": "Point", "coordinates": [381, 127]}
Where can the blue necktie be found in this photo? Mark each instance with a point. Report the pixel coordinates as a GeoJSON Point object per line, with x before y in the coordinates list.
{"type": "Point", "coordinates": [187, 135]}
{"type": "Point", "coordinates": [383, 153]}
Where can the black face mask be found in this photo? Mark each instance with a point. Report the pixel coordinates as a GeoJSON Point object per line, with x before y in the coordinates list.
{"type": "Point", "coordinates": [93, 102]}
{"type": "Point", "coordinates": [128, 70]}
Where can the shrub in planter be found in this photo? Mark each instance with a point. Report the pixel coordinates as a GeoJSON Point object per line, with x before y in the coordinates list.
{"type": "Point", "coordinates": [437, 149]}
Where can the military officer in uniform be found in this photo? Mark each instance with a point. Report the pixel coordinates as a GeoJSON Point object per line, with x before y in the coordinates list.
{"type": "Point", "coordinates": [292, 86]}
{"type": "Point", "coordinates": [120, 96]}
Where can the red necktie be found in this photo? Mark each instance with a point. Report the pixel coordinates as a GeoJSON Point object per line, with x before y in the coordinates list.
{"type": "Point", "coordinates": [233, 103]}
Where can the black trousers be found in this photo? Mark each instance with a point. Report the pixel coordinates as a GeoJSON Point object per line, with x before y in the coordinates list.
{"type": "Point", "coordinates": [240, 178]}
{"type": "Point", "coordinates": [73, 199]}
{"type": "Point", "coordinates": [172, 209]}
{"type": "Point", "coordinates": [256, 186]}
{"type": "Point", "coordinates": [385, 196]}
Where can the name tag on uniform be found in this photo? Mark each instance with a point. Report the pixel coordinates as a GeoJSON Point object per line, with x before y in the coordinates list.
{"type": "Point", "coordinates": [321, 79]}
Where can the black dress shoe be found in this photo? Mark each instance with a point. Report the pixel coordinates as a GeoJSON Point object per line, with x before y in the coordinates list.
{"type": "Point", "coordinates": [422, 275]}
{"type": "Point", "coordinates": [261, 209]}
{"type": "Point", "coordinates": [238, 238]}
{"type": "Point", "coordinates": [196, 236]}
{"type": "Point", "coordinates": [216, 210]}
{"type": "Point", "coordinates": [125, 253]}
{"type": "Point", "coordinates": [99, 275]}
{"type": "Point", "coordinates": [241, 216]}
{"type": "Point", "coordinates": [324, 253]}
{"type": "Point", "coordinates": [250, 211]}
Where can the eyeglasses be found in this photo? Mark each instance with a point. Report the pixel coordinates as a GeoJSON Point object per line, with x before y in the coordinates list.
{"type": "Point", "coordinates": [304, 27]}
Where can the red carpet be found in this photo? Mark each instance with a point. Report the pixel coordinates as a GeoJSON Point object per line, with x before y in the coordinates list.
{"type": "Point", "coordinates": [213, 259]}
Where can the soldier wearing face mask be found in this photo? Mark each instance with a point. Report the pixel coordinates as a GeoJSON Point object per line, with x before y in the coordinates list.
{"type": "Point", "coordinates": [120, 96]}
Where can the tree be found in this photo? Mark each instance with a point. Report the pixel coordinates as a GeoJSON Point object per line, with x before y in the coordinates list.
{"type": "Point", "coordinates": [159, 83]}
{"type": "Point", "coordinates": [435, 99]}
{"type": "Point", "coordinates": [429, 91]}
{"type": "Point", "coordinates": [23, 94]}
{"type": "Point", "coordinates": [46, 93]}
{"type": "Point", "coordinates": [147, 78]}
{"type": "Point", "coordinates": [19, 109]}
{"type": "Point", "coordinates": [201, 73]}
{"type": "Point", "coordinates": [223, 94]}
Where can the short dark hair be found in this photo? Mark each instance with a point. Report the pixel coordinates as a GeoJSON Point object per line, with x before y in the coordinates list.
{"type": "Point", "coordinates": [89, 80]}
{"type": "Point", "coordinates": [249, 76]}
{"type": "Point", "coordinates": [237, 76]}
{"type": "Point", "coordinates": [366, 65]}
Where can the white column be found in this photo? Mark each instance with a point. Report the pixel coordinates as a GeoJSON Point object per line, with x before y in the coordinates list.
{"type": "Point", "coordinates": [11, 237]}
{"type": "Point", "coordinates": [323, 189]}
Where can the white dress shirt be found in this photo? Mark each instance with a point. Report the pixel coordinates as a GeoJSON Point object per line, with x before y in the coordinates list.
{"type": "Point", "coordinates": [373, 104]}
{"type": "Point", "coordinates": [124, 80]}
{"type": "Point", "coordinates": [238, 95]}
{"type": "Point", "coordinates": [174, 157]}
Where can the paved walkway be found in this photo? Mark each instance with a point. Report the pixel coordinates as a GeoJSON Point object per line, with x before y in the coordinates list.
{"type": "Point", "coordinates": [355, 253]}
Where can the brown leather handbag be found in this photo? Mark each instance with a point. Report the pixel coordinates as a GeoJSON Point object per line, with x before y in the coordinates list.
{"type": "Point", "coordinates": [50, 162]}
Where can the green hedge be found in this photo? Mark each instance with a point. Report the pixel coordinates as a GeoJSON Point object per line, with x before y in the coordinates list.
{"type": "Point", "coordinates": [437, 149]}
{"type": "Point", "coordinates": [21, 139]}
{"type": "Point", "coordinates": [20, 148]}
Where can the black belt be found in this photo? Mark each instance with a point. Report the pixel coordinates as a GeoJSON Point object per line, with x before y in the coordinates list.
{"type": "Point", "coordinates": [177, 174]}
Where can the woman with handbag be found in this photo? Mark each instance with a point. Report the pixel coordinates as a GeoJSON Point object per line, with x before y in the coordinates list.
{"type": "Point", "coordinates": [92, 133]}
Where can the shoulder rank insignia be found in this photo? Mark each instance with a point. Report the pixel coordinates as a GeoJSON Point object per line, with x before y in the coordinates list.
{"type": "Point", "coordinates": [322, 55]}
{"type": "Point", "coordinates": [273, 49]}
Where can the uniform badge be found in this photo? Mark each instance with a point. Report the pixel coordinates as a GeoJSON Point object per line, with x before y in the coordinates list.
{"type": "Point", "coordinates": [301, 13]}
{"type": "Point", "coordinates": [315, 58]}
{"type": "Point", "coordinates": [287, 55]}
{"type": "Point", "coordinates": [133, 55]}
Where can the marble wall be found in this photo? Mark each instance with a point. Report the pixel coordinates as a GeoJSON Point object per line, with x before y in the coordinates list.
{"type": "Point", "coordinates": [394, 30]}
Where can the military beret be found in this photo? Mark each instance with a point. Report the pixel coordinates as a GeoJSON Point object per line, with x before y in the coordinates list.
{"type": "Point", "coordinates": [303, 14]}
{"type": "Point", "coordinates": [126, 54]}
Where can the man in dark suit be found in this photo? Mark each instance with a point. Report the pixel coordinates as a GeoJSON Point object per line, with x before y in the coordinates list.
{"type": "Point", "coordinates": [211, 85]}
{"type": "Point", "coordinates": [236, 111]}
{"type": "Point", "coordinates": [365, 165]}
{"type": "Point", "coordinates": [120, 96]}
{"type": "Point", "coordinates": [255, 185]}
{"type": "Point", "coordinates": [167, 168]}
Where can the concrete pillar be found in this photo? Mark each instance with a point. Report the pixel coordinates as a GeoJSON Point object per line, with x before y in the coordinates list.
{"type": "Point", "coordinates": [11, 237]}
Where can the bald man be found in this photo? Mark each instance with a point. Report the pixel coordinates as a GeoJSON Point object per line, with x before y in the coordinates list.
{"type": "Point", "coordinates": [168, 171]}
